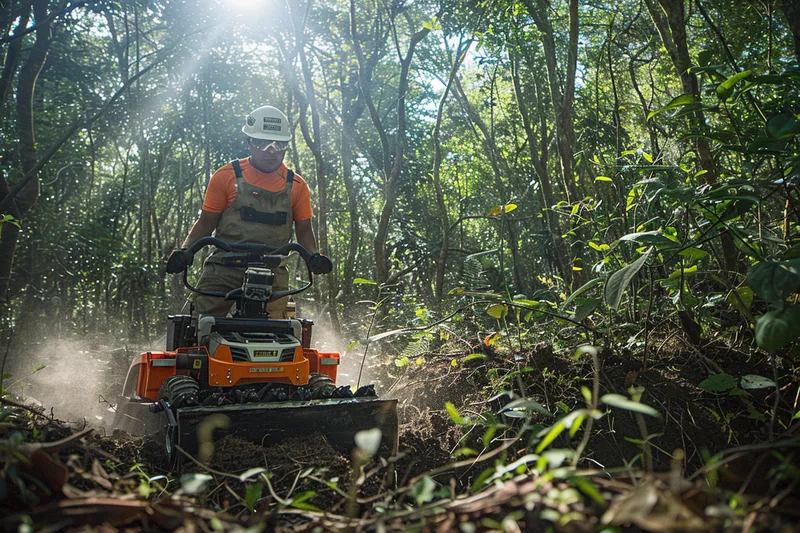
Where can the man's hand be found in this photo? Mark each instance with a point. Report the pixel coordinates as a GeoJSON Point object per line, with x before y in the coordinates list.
{"type": "Point", "coordinates": [319, 264]}
{"type": "Point", "coordinates": [179, 260]}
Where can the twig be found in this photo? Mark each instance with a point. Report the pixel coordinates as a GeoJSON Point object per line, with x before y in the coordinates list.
{"type": "Point", "coordinates": [20, 406]}
{"type": "Point", "coordinates": [702, 356]}
{"type": "Point", "coordinates": [592, 407]}
{"type": "Point", "coordinates": [203, 466]}
{"type": "Point", "coordinates": [47, 447]}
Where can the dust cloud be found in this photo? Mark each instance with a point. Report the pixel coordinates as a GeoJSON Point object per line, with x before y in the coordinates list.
{"type": "Point", "coordinates": [325, 339]}
{"type": "Point", "coordinates": [78, 380]}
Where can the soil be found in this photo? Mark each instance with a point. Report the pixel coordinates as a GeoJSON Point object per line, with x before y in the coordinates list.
{"type": "Point", "coordinates": [700, 423]}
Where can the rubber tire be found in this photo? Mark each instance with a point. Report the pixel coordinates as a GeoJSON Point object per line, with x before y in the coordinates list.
{"type": "Point", "coordinates": [177, 391]}
{"type": "Point", "coordinates": [320, 384]}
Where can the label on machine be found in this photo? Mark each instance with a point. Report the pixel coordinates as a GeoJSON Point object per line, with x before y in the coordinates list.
{"type": "Point", "coordinates": [267, 369]}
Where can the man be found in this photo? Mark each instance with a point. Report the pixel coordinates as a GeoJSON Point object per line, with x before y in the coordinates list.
{"type": "Point", "coordinates": [254, 200]}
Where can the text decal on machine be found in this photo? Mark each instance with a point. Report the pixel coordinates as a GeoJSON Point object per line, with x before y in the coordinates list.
{"type": "Point", "coordinates": [267, 369]}
{"type": "Point", "coordinates": [265, 353]}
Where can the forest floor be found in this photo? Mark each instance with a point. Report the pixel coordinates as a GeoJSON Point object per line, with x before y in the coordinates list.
{"type": "Point", "coordinates": [720, 461]}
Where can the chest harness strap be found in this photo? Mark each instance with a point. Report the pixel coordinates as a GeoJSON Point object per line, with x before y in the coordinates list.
{"type": "Point", "coordinates": [250, 214]}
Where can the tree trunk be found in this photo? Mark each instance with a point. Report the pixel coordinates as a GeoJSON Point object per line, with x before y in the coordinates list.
{"type": "Point", "coordinates": [11, 59]}
{"type": "Point", "coordinates": [562, 255]}
{"type": "Point", "coordinates": [444, 219]}
{"type": "Point", "coordinates": [670, 22]}
{"type": "Point", "coordinates": [352, 109]}
{"type": "Point", "coordinates": [791, 10]}
{"type": "Point", "coordinates": [391, 170]}
{"type": "Point", "coordinates": [27, 142]}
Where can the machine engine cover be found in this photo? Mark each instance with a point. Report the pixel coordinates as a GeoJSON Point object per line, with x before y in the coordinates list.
{"type": "Point", "coordinates": [255, 347]}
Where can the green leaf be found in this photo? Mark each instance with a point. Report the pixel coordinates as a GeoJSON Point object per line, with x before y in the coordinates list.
{"type": "Point", "coordinates": [718, 383]}
{"type": "Point", "coordinates": [776, 329]}
{"type": "Point", "coordinates": [589, 489]}
{"type": "Point", "coordinates": [682, 272]}
{"type": "Point", "coordinates": [620, 401]}
{"type": "Point", "coordinates": [585, 307]}
{"type": "Point", "coordinates": [363, 281]}
{"type": "Point", "coordinates": [585, 287]}
{"type": "Point", "coordinates": [705, 57]}
{"type": "Point", "coordinates": [454, 415]}
{"type": "Point", "coordinates": [482, 478]}
{"type": "Point", "coordinates": [497, 311]}
{"type": "Point", "coordinates": [619, 280]}
{"type": "Point", "coordinates": [498, 209]}
{"type": "Point", "coordinates": [422, 491]}
{"type": "Point", "coordinates": [551, 435]}
{"type": "Point", "coordinates": [299, 501]}
{"type": "Point", "coordinates": [603, 178]}
{"type": "Point", "coordinates": [774, 281]}
{"type": "Point", "coordinates": [695, 254]}
{"type": "Point", "coordinates": [252, 495]}
{"type": "Point", "coordinates": [725, 88]}
{"type": "Point", "coordinates": [753, 382]}
{"type": "Point", "coordinates": [473, 357]}
{"type": "Point", "coordinates": [675, 103]}
{"type": "Point", "coordinates": [783, 125]}
{"type": "Point", "coordinates": [523, 408]}
{"type": "Point", "coordinates": [599, 247]}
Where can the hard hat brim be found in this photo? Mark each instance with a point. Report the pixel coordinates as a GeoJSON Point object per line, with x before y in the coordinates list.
{"type": "Point", "coordinates": [267, 136]}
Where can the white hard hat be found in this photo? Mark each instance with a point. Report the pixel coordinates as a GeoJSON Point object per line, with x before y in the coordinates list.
{"type": "Point", "coordinates": [268, 123]}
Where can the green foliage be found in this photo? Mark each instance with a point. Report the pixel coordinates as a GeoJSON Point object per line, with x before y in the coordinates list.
{"type": "Point", "coordinates": [718, 383]}
{"type": "Point", "coordinates": [619, 281]}
{"type": "Point", "coordinates": [776, 329]}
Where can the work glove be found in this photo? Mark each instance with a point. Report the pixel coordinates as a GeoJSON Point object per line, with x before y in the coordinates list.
{"type": "Point", "coordinates": [319, 264]}
{"type": "Point", "coordinates": [179, 260]}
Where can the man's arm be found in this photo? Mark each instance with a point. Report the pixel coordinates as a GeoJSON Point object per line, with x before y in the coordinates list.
{"type": "Point", "coordinates": [305, 235]}
{"type": "Point", "coordinates": [203, 227]}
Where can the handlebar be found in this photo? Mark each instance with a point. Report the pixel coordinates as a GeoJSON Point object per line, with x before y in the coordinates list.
{"type": "Point", "coordinates": [262, 255]}
{"type": "Point", "coordinates": [251, 248]}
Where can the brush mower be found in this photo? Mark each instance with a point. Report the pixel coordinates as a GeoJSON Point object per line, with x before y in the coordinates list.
{"type": "Point", "coordinates": [260, 373]}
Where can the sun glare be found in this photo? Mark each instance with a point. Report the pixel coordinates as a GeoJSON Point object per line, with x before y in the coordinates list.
{"type": "Point", "coordinates": [245, 7]}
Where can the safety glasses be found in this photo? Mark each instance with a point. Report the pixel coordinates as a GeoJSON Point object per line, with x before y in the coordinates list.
{"type": "Point", "coordinates": [265, 144]}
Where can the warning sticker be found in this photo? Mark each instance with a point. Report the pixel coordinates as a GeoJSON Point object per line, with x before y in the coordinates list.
{"type": "Point", "coordinates": [198, 363]}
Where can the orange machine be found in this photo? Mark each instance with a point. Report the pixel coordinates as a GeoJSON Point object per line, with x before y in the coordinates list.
{"type": "Point", "coordinates": [261, 373]}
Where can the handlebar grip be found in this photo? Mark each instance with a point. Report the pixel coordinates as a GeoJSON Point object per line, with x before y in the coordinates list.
{"type": "Point", "coordinates": [206, 241]}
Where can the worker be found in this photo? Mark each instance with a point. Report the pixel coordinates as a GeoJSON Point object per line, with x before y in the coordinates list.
{"type": "Point", "coordinates": [252, 200]}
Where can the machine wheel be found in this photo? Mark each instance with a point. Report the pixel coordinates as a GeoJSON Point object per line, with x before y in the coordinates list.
{"type": "Point", "coordinates": [321, 385]}
{"type": "Point", "coordinates": [177, 391]}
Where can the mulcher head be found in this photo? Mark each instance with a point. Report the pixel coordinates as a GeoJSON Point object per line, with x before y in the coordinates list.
{"type": "Point", "coordinates": [191, 429]}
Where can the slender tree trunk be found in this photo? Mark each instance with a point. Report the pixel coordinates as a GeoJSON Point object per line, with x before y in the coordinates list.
{"type": "Point", "coordinates": [444, 243]}
{"type": "Point", "coordinates": [352, 109]}
{"type": "Point", "coordinates": [11, 59]}
{"type": "Point", "coordinates": [563, 99]}
{"type": "Point", "coordinates": [392, 165]}
{"type": "Point", "coordinates": [791, 10]}
{"type": "Point", "coordinates": [669, 19]}
{"type": "Point", "coordinates": [562, 255]}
